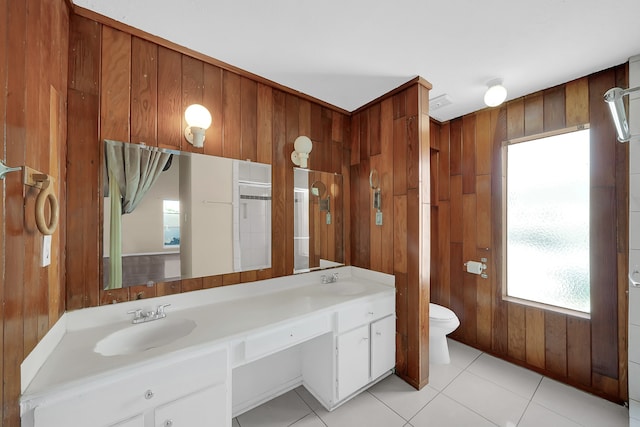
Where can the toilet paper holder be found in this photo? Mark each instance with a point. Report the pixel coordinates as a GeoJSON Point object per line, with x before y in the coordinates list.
{"type": "Point", "coordinates": [475, 267]}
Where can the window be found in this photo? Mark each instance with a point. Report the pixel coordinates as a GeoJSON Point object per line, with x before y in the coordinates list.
{"type": "Point", "coordinates": [171, 223]}
{"type": "Point", "coordinates": [547, 220]}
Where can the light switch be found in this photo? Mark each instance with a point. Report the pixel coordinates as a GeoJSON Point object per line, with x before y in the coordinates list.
{"type": "Point", "coordinates": [378, 218]}
{"type": "Point", "coordinates": [46, 251]}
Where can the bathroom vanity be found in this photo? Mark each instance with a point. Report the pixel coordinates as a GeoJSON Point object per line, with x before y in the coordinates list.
{"type": "Point", "coordinates": [218, 352]}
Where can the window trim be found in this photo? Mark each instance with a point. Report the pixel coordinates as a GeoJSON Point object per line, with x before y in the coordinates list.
{"type": "Point", "coordinates": [503, 237]}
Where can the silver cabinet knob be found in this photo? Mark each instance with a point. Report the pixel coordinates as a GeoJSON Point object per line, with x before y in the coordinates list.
{"type": "Point", "coordinates": [148, 394]}
{"type": "Point", "coordinates": [168, 423]}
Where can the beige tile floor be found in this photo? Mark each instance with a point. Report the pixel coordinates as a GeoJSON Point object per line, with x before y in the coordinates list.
{"type": "Point", "coordinates": [475, 390]}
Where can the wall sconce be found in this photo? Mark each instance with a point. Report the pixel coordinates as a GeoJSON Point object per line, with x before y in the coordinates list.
{"type": "Point", "coordinates": [319, 190]}
{"type": "Point", "coordinates": [495, 94]}
{"type": "Point", "coordinates": [302, 147]}
{"type": "Point", "coordinates": [374, 183]}
{"type": "Point", "coordinates": [613, 97]}
{"type": "Point", "coordinates": [198, 121]}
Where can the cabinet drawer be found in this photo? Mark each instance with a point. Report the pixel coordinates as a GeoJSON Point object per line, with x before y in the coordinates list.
{"type": "Point", "coordinates": [206, 407]}
{"type": "Point", "coordinates": [110, 401]}
{"type": "Point", "coordinates": [358, 314]}
{"type": "Point", "coordinates": [285, 336]}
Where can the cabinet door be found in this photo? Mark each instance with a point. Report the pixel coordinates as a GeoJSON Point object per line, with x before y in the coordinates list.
{"type": "Point", "coordinates": [353, 361]}
{"type": "Point", "coordinates": [383, 346]}
{"type": "Point", "coordinates": [204, 408]}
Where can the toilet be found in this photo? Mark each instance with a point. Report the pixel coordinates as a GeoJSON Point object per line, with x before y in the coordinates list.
{"type": "Point", "coordinates": [442, 322]}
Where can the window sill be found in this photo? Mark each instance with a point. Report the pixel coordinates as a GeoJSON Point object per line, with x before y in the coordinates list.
{"type": "Point", "coordinates": [547, 307]}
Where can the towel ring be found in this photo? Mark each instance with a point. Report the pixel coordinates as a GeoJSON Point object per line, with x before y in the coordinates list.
{"type": "Point", "coordinates": [47, 194]}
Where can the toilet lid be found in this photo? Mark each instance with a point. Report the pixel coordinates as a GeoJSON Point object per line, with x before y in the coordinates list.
{"type": "Point", "coordinates": [439, 312]}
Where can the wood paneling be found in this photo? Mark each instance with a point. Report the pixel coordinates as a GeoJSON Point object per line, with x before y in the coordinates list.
{"type": "Point", "coordinates": [170, 130]}
{"type": "Point", "coordinates": [33, 120]}
{"type": "Point", "coordinates": [392, 135]}
{"type": "Point", "coordinates": [534, 329]}
{"type": "Point", "coordinates": [143, 90]}
{"type": "Point", "coordinates": [533, 114]}
{"type": "Point", "coordinates": [115, 81]}
{"type": "Point", "coordinates": [587, 353]}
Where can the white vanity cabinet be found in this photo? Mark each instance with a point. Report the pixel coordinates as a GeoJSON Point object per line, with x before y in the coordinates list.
{"type": "Point", "coordinates": [368, 351]}
{"type": "Point", "coordinates": [203, 408]}
{"type": "Point", "coordinates": [383, 345]}
{"type": "Point", "coordinates": [352, 351]}
{"type": "Point", "coordinates": [252, 342]}
{"type": "Point", "coordinates": [360, 353]}
{"type": "Point", "coordinates": [186, 392]}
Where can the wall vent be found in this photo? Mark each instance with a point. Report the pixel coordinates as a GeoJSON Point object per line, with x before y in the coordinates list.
{"type": "Point", "coordinates": [439, 102]}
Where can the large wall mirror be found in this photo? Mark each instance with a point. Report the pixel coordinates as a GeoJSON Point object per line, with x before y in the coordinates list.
{"type": "Point", "coordinates": [172, 215]}
{"type": "Point", "coordinates": [318, 220]}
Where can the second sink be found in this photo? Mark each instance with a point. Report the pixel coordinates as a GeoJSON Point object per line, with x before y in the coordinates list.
{"type": "Point", "coordinates": [144, 336]}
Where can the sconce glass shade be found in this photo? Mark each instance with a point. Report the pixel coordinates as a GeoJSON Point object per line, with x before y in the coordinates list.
{"type": "Point", "coordinates": [197, 116]}
{"type": "Point", "coordinates": [198, 121]}
{"type": "Point", "coordinates": [495, 95]}
{"type": "Point", "coordinates": [613, 97]}
{"type": "Point", "coordinates": [302, 147]}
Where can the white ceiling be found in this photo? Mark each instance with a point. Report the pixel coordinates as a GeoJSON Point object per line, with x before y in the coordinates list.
{"type": "Point", "coordinates": [349, 52]}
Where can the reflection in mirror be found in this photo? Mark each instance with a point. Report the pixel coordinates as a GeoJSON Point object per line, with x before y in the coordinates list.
{"type": "Point", "coordinates": [199, 216]}
{"type": "Point", "coordinates": [318, 234]}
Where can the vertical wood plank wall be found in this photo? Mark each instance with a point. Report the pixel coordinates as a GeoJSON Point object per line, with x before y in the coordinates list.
{"type": "Point", "coordinates": [123, 86]}
{"type": "Point", "coordinates": [590, 354]}
{"type": "Point", "coordinates": [131, 89]}
{"type": "Point", "coordinates": [33, 120]}
{"type": "Point", "coordinates": [391, 136]}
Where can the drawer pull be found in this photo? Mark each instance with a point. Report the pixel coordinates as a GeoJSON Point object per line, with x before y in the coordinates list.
{"type": "Point", "coordinates": [168, 423]}
{"type": "Point", "coordinates": [148, 394]}
{"type": "Point", "coordinates": [370, 313]}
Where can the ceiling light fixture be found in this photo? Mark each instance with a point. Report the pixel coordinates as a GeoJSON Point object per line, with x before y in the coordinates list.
{"type": "Point", "coordinates": [495, 94]}
{"type": "Point", "coordinates": [198, 121]}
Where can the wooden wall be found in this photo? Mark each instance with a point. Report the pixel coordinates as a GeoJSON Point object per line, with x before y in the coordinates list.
{"type": "Point", "coordinates": [391, 136]}
{"type": "Point", "coordinates": [33, 119]}
{"type": "Point", "coordinates": [590, 354]}
{"type": "Point", "coordinates": [128, 86]}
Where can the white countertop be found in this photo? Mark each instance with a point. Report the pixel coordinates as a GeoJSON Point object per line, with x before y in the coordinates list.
{"type": "Point", "coordinates": [65, 358]}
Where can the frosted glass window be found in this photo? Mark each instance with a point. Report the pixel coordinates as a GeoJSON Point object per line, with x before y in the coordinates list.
{"type": "Point", "coordinates": [548, 220]}
{"type": "Point", "coordinates": [171, 223]}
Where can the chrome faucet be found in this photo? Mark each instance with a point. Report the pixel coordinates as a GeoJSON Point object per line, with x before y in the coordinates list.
{"type": "Point", "coordinates": [329, 279]}
{"type": "Point", "coordinates": [140, 316]}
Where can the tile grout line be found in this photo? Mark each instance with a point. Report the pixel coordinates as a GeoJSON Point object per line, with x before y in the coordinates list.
{"type": "Point", "coordinates": [389, 407]}
{"type": "Point", "coordinates": [530, 401]}
{"type": "Point", "coordinates": [477, 376]}
{"type": "Point", "coordinates": [309, 406]}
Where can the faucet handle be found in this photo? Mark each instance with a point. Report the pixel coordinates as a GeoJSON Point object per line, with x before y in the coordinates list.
{"type": "Point", "coordinates": [160, 310]}
{"type": "Point", "coordinates": [334, 276]}
{"type": "Point", "coordinates": [137, 314]}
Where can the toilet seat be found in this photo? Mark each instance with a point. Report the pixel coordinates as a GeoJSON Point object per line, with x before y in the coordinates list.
{"type": "Point", "coordinates": [438, 312]}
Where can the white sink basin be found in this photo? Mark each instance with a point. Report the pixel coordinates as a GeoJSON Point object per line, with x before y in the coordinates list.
{"type": "Point", "coordinates": [345, 288]}
{"type": "Point", "coordinates": [144, 336]}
